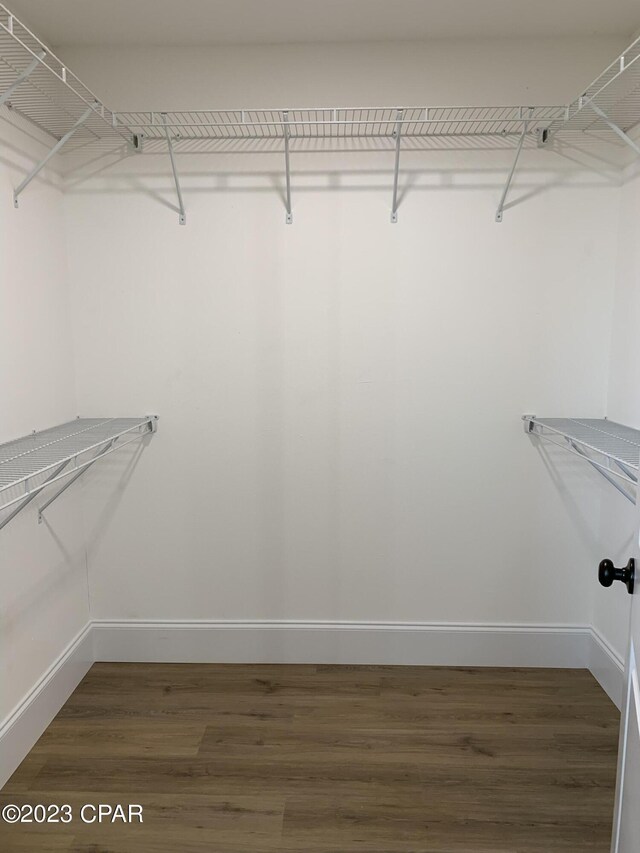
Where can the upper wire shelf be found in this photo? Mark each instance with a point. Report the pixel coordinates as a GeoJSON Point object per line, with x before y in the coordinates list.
{"type": "Point", "coordinates": [51, 96]}
{"type": "Point", "coordinates": [38, 86]}
{"type": "Point", "coordinates": [54, 99]}
{"type": "Point", "coordinates": [304, 126]}
{"type": "Point", "coordinates": [31, 463]}
{"type": "Point", "coordinates": [611, 448]}
{"type": "Point", "coordinates": [615, 92]}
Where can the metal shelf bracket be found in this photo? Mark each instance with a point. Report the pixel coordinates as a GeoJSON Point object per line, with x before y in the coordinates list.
{"type": "Point", "coordinates": [27, 71]}
{"type": "Point", "coordinates": [601, 470]}
{"type": "Point", "coordinates": [182, 216]}
{"type": "Point", "coordinates": [505, 191]}
{"type": "Point", "coordinates": [614, 127]}
{"type": "Point", "coordinates": [56, 473]}
{"type": "Point", "coordinates": [59, 144]}
{"type": "Point", "coordinates": [287, 133]}
{"type": "Point", "coordinates": [397, 133]}
{"type": "Point", "coordinates": [72, 480]}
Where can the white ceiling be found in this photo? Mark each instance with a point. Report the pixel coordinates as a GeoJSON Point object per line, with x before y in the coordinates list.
{"type": "Point", "coordinates": [203, 22]}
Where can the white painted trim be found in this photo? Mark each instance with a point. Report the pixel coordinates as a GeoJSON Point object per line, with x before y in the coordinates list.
{"type": "Point", "coordinates": [607, 667]}
{"type": "Point", "coordinates": [23, 726]}
{"type": "Point", "coordinates": [630, 698]}
{"type": "Point", "coordinates": [269, 641]}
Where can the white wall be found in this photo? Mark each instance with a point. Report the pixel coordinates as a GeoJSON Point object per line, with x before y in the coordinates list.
{"type": "Point", "coordinates": [44, 584]}
{"type": "Point", "coordinates": [611, 614]}
{"type": "Point", "coordinates": [624, 380]}
{"type": "Point", "coordinates": [340, 403]}
{"type": "Point", "coordinates": [340, 399]}
{"type": "Point", "coordinates": [440, 72]}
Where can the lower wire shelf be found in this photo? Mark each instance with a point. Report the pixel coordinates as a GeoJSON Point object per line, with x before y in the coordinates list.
{"type": "Point", "coordinates": [60, 454]}
{"type": "Point", "coordinates": [611, 448]}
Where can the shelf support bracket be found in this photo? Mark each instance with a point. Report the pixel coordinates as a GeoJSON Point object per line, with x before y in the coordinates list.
{"type": "Point", "coordinates": [627, 471]}
{"type": "Point", "coordinates": [62, 141]}
{"type": "Point", "coordinates": [505, 191]}
{"type": "Point", "coordinates": [600, 470]}
{"type": "Point", "coordinates": [57, 494]}
{"type": "Point", "coordinates": [614, 127]}
{"type": "Point", "coordinates": [397, 133]}
{"type": "Point", "coordinates": [182, 218]}
{"type": "Point", "coordinates": [35, 494]}
{"type": "Point", "coordinates": [27, 71]}
{"type": "Point", "coordinates": [287, 133]}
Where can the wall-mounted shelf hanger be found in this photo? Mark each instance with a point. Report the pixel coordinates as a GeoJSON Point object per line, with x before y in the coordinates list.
{"type": "Point", "coordinates": [611, 448]}
{"type": "Point", "coordinates": [40, 88]}
{"type": "Point", "coordinates": [62, 453]}
{"type": "Point", "coordinates": [287, 166]}
{"type": "Point", "coordinates": [505, 191]}
{"type": "Point", "coordinates": [182, 217]}
{"type": "Point", "coordinates": [396, 169]}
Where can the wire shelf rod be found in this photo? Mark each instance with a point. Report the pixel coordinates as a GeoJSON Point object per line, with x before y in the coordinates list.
{"type": "Point", "coordinates": [606, 473]}
{"type": "Point", "coordinates": [567, 445]}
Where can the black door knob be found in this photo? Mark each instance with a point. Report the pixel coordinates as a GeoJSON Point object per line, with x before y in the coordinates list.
{"type": "Point", "coordinates": [608, 573]}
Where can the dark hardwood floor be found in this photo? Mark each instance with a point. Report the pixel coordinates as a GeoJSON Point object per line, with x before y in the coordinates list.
{"type": "Point", "coordinates": [325, 759]}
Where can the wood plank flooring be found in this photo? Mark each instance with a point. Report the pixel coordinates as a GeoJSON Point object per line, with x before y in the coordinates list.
{"type": "Point", "coordinates": [326, 759]}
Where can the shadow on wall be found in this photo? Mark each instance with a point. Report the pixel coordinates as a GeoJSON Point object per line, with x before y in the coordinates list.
{"type": "Point", "coordinates": [116, 487]}
{"type": "Point", "coordinates": [559, 469]}
{"type": "Point", "coordinates": [415, 181]}
{"type": "Point", "coordinates": [33, 598]}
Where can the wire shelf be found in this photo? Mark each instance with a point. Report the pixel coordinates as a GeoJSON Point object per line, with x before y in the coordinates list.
{"type": "Point", "coordinates": [54, 99]}
{"type": "Point", "coordinates": [51, 97]}
{"type": "Point", "coordinates": [29, 464]}
{"type": "Point", "coordinates": [339, 123]}
{"type": "Point", "coordinates": [616, 92]}
{"type": "Point", "coordinates": [612, 448]}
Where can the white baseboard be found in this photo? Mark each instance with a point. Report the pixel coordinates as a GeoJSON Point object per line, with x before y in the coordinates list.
{"type": "Point", "coordinates": [606, 666]}
{"type": "Point", "coordinates": [426, 644]}
{"type": "Point", "coordinates": [341, 642]}
{"type": "Point", "coordinates": [24, 725]}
